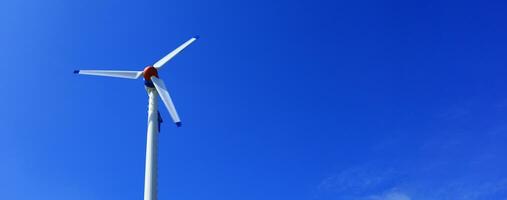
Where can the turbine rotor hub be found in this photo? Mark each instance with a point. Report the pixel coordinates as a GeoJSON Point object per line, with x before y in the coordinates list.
{"type": "Point", "coordinates": [150, 71]}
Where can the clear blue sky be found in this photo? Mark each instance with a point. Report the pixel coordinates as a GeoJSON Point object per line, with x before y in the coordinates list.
{"type": "Point", "coordinates": [299, 100]}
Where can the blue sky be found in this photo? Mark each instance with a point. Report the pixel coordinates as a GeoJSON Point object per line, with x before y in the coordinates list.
{"type": "Point", "coordinates": [318, 100]}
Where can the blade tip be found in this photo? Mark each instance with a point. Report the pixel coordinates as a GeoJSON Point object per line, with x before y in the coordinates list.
{"type": "Point", "coordinates": [197, 37]}
{"type": "Point", "coordinates": [178, 124]}
{"type": "Point", "coordinates": [76, 71]}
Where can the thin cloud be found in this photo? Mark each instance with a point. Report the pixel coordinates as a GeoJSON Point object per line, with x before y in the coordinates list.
{"type": "Point", "coordinates": [391, 195]}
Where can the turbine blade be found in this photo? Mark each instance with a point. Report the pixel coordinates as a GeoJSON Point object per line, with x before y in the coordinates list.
{"type": "Point", "coordinates": [173, 53]}
{"type": "Point", "coordinates": [166, 98]}
{"type": "Point", "coordinates": [111, 73]}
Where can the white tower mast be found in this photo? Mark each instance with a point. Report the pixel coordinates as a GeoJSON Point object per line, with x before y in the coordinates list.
{"type": "Point", "coordinates": [151, 173]}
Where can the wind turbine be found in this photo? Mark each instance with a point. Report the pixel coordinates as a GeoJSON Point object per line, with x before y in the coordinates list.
{"type": "Point", "coordinates": [154, 87]}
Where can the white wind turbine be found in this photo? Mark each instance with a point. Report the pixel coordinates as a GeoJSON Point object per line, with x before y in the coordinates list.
{"type": "Point", "coordinates": [154, 87]}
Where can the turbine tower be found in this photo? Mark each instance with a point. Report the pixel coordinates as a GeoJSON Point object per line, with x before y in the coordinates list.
{"type": "Point", "coordinates": [155, 87]}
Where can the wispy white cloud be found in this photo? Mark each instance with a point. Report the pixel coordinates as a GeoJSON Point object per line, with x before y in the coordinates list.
{"type": "Point", "coordinates": [366, 182]}
{"type": "Point", "coordinates": [359, 180]}
{"type": "Point", "coordinates": [390, 195]}
{"type": "Point", "coordinates": [377, 182]}
{"type": "Point", "coordinates": [452, 161]}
